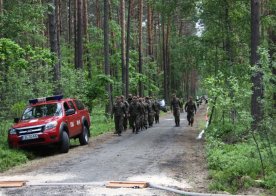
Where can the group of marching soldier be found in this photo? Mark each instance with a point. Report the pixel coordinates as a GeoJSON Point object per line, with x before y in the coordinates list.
{"type": "Point", "coordinates": [139, 112]}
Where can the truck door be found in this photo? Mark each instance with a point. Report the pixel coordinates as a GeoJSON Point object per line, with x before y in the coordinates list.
{"type": "Point", "coordinates": [70, 120]}
{"type": "Point", "coordinates": [77, 119]}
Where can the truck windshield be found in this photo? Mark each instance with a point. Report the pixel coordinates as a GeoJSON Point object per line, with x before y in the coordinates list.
{"type": "Point", "coordinates": [42, 111]}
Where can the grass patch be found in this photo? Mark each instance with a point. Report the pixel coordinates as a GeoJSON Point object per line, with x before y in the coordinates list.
{"type": "Point", "coordinates": [234, 167]}
{"type": "Point", "coordinates": [100, 123]}
{"type": "Point", "coordinates": [9, 157]}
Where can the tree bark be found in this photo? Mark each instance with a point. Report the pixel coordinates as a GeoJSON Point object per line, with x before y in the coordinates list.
{"type": "Point", "coordinates": [168, 58]}
{"type": "Point", "coordinates": [164, 60]}
{"type": "Point", "coordinates": [272, 52]}
{"type": "Point", "coordinates": [257, 95]}
{"type": "Point", "coordinates": [70, 22]}
{"type": "Point", "coordinates": [54, 44]}
{"type": "Point", "coordinates": [140, 67]}
{"type": "Point", "coordinates": [123, 46]}
{"type": "Point", "coordinates": [106, 55]}
{"type": "Point", "coordinates": [1, 7]}
{"type": "Point", "coordinates": [128, 45]}
{"type": "Point", "coordinates": [58, 27]}
{"type": "Point", "coordinates": [98, 15]}
{"type": "Point", "coordinates": [149, 28]}
{"type": "Point", "coordinates": [86, 38]}
{"type": "Point", "coordinates": [79, 38]}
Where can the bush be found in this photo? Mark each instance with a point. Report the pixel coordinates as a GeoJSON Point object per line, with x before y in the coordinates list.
{"type": "Point", "coordinates": [234, 167]}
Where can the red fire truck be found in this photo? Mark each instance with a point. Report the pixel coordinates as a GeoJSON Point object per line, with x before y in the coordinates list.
{"type": "Point", "coordinates": [51, 120]}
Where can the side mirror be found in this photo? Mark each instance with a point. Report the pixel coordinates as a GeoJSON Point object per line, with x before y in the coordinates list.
{"type": "Point", "coordinates": [70, 112]}
{"type": "Point", "coordinates": [16, 120]}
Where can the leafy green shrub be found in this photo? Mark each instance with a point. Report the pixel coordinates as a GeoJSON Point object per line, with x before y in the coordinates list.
{"type": "Point", "coordinates": [10, 158]}
{"type": "Point", "coordinates": [99, 122]}
{"type": "Point", "coordinates": [228, 132]}
{"type": "Point", "coordinates": [233, 166]}
{"type": "Point", "coordinates": [270, 182]}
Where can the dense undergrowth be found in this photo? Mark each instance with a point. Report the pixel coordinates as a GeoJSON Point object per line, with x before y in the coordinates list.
{"type": "Point", "coordinates": [235, 164]}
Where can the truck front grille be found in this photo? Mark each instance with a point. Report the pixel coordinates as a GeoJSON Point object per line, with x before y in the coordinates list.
{"type": "Point", "coordinates": [30, 130]}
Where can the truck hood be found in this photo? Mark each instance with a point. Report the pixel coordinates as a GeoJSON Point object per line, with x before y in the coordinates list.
{"type": "Point", "coordinates": [35, 121]}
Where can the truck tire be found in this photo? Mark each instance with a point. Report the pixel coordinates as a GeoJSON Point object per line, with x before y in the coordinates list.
{"type": "Point", "coordinates": [64, 142]}
{"type": "Point", "coordinates": [84, 136]}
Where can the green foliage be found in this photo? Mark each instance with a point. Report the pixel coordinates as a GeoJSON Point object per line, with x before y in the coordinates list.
{"type": "Point", "coordinates": [23, 22]}
{"type": "Point", "coordinates": [18, 108]}
{"type": "Point", "coordinates": [234, 167]}
{"type": "Point", "coordinates": [25, 73]}
{"type": "Point", "coordinates": [74, 83]}
{"type": "Point", "coordinates": [100, 124]}
{"type": "Point", "coordinates": [9, 157]}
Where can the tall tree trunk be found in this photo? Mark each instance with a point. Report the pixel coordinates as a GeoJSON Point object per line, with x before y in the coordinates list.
{"type": "Point", "coordinates": [140, 67]}
{"type": "Point", "coordinates": [58, 24]}
{"type": "Point", "coordinates": [128, 45]}
{"type": "Point", "coordinates": [1, 7]}
{"type": "Point", "coordinates": [54, 44]}
{"type": "Point", "coordinates": [86, 38]}
{"type": "Point", "coordinates": [106, 55]}
{"type": "Point", "coordinates": [85, 19]}
{"type": "Point", "coordinates": [98, 14]}
{"type": "Point", "coordinates": [123, 46]}
{"type": "Point", "coordinates": [272, 52]}
{"type": "Point", "coordinates": [149, 28]}
{"type": "Point", "coordinates": [70, 28]}
{"type": "Point", "coordinates": [256, 105]}
{"type": "Point", "coordinates": [164, 60]}
{"type": "Point", "coordinates": [79, 36]}
{"type": "Point", "coordinates": [168, 58]}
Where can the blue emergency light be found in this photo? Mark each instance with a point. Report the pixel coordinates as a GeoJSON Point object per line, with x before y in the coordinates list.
{"type": "Point", "coordinates": [44, 99]}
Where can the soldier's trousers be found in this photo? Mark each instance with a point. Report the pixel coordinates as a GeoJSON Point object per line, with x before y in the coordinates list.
{"type": "Point", "coordinates": [145, 120]}
{"type": "Point", "coordinates": [190, 118]}
{"type": "Point", "coordinates": [125, 123]}
{"type": "Point", "coordinates": [151, 119]}
{"type": "Point", "coordinates": [176, 114]}
{"type": "Point", "coordinates": [135, 123]}
{"type": "Point", "coordinates": [156, 116]}
{"type": "Point", "coordinates": [119, 124]}
{"type": "Point", "coordinates": [131, 121]}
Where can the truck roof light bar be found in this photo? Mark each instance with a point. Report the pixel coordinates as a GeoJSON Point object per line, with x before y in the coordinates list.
{"type": "Point", "coordinates": [44, 99]}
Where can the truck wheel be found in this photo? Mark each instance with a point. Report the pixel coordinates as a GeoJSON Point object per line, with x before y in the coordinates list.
{"type": "Point", "coordinates": [84, 137]}
{"type": "Point", "coordinates": [64, 142]}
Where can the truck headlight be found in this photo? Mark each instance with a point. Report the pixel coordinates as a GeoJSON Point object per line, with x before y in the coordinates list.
{"type": "Point", "coordinates": [51, 125]}
{"type": "Point", "coordinates": [12, 131]}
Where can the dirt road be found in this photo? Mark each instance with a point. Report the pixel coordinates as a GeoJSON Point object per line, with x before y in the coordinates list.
{"type": "Point", "coordinates": [163, 155]}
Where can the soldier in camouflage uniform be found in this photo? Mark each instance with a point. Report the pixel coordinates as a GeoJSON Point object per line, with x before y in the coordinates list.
{"type": "Point", "coordinates": [151, 111]}
{"type": "Point", "coordinates": [118, 110]}
{"type": "Point", "coordinates": [130, 120]}
{"type": "Point", "coordinates": [126, 105]}
{"type": "Point", "coordinates": [142, 113]}
{"type": "Point", "coordinates": [134, 109]}
{"type": "Point", "coordinates": [156, 108]}
{"type": "Point", "coordinates": [190, 108]}
{"type": "Point", "coordinates": [145, 114]}
{"type": "Point", "coordinates": [175, 107]}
